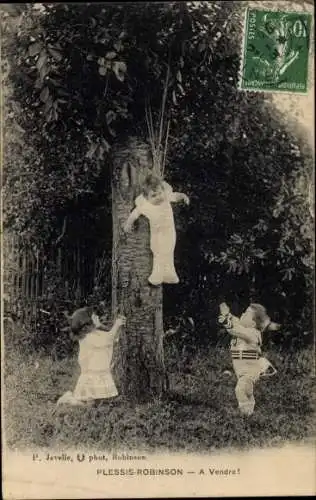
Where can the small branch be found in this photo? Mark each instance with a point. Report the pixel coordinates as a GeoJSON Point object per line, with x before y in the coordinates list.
{"type": "Point", "coordinates": [163, 104]}
{"type": "Point", "coordinates": [165, 150]}
{"type": "Point", "coordinates": [45, 312]}
{"type": "Point", "coordinates": [106, 86]}
{"type": "Point", "coordinates": [62, 234]}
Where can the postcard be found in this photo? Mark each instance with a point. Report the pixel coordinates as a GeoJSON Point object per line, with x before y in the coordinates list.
{"type": "Point", "coordinates": [157, 243]}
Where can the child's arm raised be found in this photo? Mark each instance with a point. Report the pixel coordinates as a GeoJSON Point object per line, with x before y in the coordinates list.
{"type": "Point", "coordinates": [101, 340]}
{"type": "Point", "coordinates": [179, 197]}
{"type": "Point", "coordinates": [237, 330]}
{"type": "Point", "coordinates": [175, 197]}
{"type": "Point", "coordinates": [232, 324]}
{"type": "Point", "coordinates": [133, 216]}
{"type": "Point", "coordinates": [120, 321]}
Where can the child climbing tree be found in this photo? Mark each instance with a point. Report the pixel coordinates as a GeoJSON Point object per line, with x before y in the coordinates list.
{"type": "Point", "coordinates": [142, 261]}
{"type": "Point", "coordinates": [138, 362]}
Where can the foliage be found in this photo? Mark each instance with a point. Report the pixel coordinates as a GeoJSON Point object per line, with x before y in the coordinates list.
{"type": "Point", "coordinates": [250, 228]}
{"type": "Point", "coordinates": [80, 77]}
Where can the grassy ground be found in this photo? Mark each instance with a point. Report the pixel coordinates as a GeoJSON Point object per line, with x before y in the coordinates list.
{"type": "Point", "coordinates": [199, 414]}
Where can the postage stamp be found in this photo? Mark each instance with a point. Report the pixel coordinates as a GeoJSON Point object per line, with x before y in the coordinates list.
{"type": "Point", "coordinates": [275, 51]}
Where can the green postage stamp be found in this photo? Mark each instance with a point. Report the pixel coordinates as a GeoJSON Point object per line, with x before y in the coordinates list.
{"type": "Point", "coordinates": [275, 51]}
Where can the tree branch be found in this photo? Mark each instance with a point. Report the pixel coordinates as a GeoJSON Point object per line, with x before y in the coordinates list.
{"type": "Point", "coordinates": [62, 234]}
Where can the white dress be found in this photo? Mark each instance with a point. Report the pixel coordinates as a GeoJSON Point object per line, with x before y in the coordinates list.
{"type": "Point", "coordinates": [95, 355]}
{"type": "Point", "coordinates": [162, 237]}
{"type": "Point", "coordinates": [95, 380]}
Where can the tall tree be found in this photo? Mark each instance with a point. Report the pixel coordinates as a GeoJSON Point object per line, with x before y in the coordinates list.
{"type": "Point", "coordinates": [81, 77]}
{"type": "Point", "coordinates": [89, 71]}
{"type": "Point", "coordinates": [138, 360]}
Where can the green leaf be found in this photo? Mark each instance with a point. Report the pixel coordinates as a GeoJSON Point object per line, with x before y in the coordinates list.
{"type": "Point", "coordinates": [54, 82]}
{"type": "Point", "coordinates": [35, 49]}
{"type": "Point", "coordinates": [100, 154]}
{"type": "Point", "coordinates": [110, 116]}
{"type": "Point", "coordinates": [38, 84]}
{"type": "Point", "coordinates": [110, 55]}
{"type": "Point", "coordinates": [48, 103]}
{"type": "Point", "coordinates": [119, 69]}
{"type": "Point", "coordinates": [101, 61]}
{"type": "Point", "coordinates": [93, 22]}
{"type": "Point", "coordinates": [112, 131]}
{"type": "Point", "coordinates": [92, 150]}
{"type": "Point", "coordinates": [55, 53]}
{"type": "Point", "coordinates": [63, 92]}
{"type": "Point", "coordinates": [43, 72]}
{"type": "Point", "coordinates": [41, 60]}
{"type": "Point", "coordinates": [105, 145]}
{"type": "Point", "coordinates": [179, 77]}
{"type": "Point", "coordinates": [181, 88]}
{"type": "Point", "coordinates": [54, 115]}
{"type": "Point", "coordinates": [49, 115]}
{"type": "Point", "coordinates": [102, 70]}
{"type": "Point", "coordinates": [118, 46]}
{"type": "Point", "coordinates": [44, 95]}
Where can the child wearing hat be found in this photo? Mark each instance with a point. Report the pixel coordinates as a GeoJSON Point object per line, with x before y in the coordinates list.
{"type": "Point", "coordinates": [95, 354]}
{"type": "Point", "coordinates": [248, 363]}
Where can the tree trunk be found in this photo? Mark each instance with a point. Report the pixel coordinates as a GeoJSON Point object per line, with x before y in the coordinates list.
{"type": "Point", "coordinates": [138, 358]}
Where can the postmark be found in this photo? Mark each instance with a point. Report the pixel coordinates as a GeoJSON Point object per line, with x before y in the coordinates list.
{"type": "Point", "coordinates": [275, 51]}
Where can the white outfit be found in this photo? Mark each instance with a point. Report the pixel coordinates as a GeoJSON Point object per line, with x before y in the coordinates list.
{"type": "Point", "coordinates": [162, 236]}
{"type": "Point", "coordinates": [95, 380]}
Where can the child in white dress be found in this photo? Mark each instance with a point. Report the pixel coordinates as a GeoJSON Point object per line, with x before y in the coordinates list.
{"type": "Point", "coordinates": [95, 354]}
{"type": "Point", "coordinates": [155, 204]}
{"type": "Point", "coordinates": [248, 362]}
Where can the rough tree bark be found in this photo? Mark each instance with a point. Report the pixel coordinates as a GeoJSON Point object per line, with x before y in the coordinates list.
{"type": "Point", "coordinates": [138, 358]}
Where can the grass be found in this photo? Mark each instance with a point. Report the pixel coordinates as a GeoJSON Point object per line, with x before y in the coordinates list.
{"type": "Point", "coordinates": [199, 414]}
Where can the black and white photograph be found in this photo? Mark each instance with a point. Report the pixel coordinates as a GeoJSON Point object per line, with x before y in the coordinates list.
{"type": "Point", "coordinates": [157, 249]}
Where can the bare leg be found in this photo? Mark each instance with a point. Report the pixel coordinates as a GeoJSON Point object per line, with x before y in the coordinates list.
{"type": "Point", "coordinates": [163, 269]}
{"type": "Point", "coordinates": [156, 276]}
{"type": "Point", "coordinates": [245, 396]}
{"type": "Point", "coordinates": [170, 274]}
